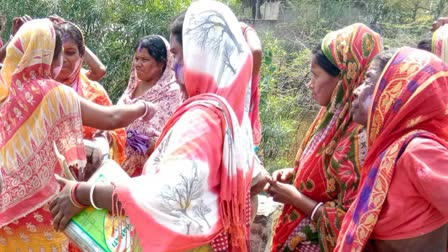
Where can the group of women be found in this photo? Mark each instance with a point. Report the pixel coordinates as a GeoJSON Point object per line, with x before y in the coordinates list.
{"type": "Point", "coordinates": [364, 177]}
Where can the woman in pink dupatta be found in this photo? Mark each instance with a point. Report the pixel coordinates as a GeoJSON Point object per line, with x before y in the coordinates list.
{"type": "Point", "coordinates": [194, 190]}
{"type": "Point", "coordinates": [165, 92]}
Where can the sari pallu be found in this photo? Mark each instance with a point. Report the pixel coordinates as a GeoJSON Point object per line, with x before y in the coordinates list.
{"type": "Point", "coordinates": [195, 186]}
{"type": "Point", "coordinates": [410, 100]}
{"type": "Point", "coordinates": [36, 112]}
{"type": "Point", "coordinates": [328, 162]}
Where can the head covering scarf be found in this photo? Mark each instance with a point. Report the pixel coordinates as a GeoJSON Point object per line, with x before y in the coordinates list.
{"type": "Point", "coordinates": [440, 43]}
{"type": "Point", "coordinates": [218, 163]}
{"type": "Point", "coordinates": [141, 133]}
{"type": "Point", "coordinates": [94, 92]}
{"type": "Point", "coordinates": [36, 112]}
{"type": "Point", "coordinates": [410, 100]}
{"type": "Point", "coordinates": [328, 162]}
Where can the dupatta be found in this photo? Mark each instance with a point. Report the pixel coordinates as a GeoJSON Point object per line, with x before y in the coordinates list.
{"type": "Point", "coordinates": [36, 112]}
{"type": "Point", "coordinates": [196, 184]}
{"type": "Point", "coordinates": [410, 100]}
{"type": "Point", "coordinates": [329, 160]}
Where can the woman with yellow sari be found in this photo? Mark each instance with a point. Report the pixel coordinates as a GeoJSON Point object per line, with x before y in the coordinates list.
{"type": "Point", "coordinates": [38, 113]}
{"type": "Point", "coordinates": [324, 181]}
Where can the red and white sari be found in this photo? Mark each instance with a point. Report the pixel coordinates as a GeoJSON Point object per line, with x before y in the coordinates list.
{"type": "Point", "coordinates": [195, 186]}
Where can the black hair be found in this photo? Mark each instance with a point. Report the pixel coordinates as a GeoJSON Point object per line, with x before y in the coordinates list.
{"type": "Point", "coordinates": [384, 57]}
{"type": "Point", "coordinates": [72, 32]}
{"type": "Point", "coordinates": [156, 48]}
{"type": "Point", "coordinates": [324, 62]}
{"type": "Point", "coordinates": [58, 42]}
{"type": "Point", "coordinates": [177, 26]}
{"type": "Point", "coordinates": [425, 44]}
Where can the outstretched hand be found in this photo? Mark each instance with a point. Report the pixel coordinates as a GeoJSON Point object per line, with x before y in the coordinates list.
{"type": "Point", "coordinates": [282, 192]}
{"type": "Point", "coordinates": [56, 19]}
{"type": "Point", "coordinates": [61, 208]}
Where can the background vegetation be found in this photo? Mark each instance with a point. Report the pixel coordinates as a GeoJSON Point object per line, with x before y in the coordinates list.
{"type": "Point", "coordinates": [112, 27]}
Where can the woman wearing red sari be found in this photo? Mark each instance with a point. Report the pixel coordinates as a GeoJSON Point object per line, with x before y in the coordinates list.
{"type": "Point", "coordinates": [321, 187]}
{"type": "Point", "coordinates": [194, 190]}
{"type": "Point", "coordinates": [400, 205]}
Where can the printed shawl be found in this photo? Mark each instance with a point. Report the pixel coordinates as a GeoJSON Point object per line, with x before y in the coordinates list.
{"type": "Point", "coordinates": [410, 100]}
{"type": "Point", "coordinates": [36, 112]}
{"type": "Point", "coordinates": [328, 163]}
{"type": "Point", "coordinates": [440, 43]}
{"type": "Point", "coordinates": [196, 184]}
{"type": "Point", "coordinates": [167, 95]}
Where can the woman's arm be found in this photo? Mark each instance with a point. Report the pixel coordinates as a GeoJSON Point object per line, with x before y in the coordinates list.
{"type": "Point", "coordinates": [96, 68]}
{"type": "Point", "coordinates": [112, 117]}
{"type": "Point", "coordinates": [17, 22]}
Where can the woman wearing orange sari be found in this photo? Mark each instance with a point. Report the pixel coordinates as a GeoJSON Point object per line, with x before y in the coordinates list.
{"type": "Point", "coordinates": [321, 187]}
{"type": "Point", "coordinates": [73, 75]}
{"type": "Point", "coordinates": [401, 204]}
{"type": "Point", "coordinates": [195, 187]}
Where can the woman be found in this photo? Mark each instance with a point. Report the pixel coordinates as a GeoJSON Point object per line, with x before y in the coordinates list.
{"type": "Point", "coordinates": [74, 76]}
{"type": "Point", "coordinates": [400, 206]}
{"type": "Point", "coordinates": [37, 112]}
{"type": "Point", "coordinates": [194, 190]}
{"type": "Point", "coordinates": [152, 79]}
{"type": "Point", "coordinates": [437, 43]}
{"type": "Point", "coordinates": [321, 187]}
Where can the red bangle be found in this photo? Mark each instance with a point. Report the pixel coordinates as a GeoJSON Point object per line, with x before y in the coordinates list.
{"type": "Point", "coordinates": [73, 198]}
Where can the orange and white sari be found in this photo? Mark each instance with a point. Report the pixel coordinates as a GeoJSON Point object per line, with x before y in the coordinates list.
{"type": "Point", "coordinates": [35, 113]}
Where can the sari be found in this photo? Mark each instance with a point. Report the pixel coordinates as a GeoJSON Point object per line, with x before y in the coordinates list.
{"type": "Point", "coordinates": [166, 94]}
{"type": "Point", "coordinates": [195, 188]}
{"type": "Point", "coordinates": [410, 101]}
{"type": "Point", "coordinates": [36, 112]}
{"type": "Point", "coordinates": [94, 92]}
{"type": "Point", "coordinates": [328, 162]}
{"type": "Point", "coordinates": [440, 43]}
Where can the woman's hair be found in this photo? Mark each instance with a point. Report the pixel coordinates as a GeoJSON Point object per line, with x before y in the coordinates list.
{"type": "Point", "coordinates": [71, 31]}
{"type": "Point", "coordinates": [58, 42]}
{"type": "Point", "coordinates": [384, 57]}
{"type": "Point", "coordinates": [156, 48]}
{"type": "Point", "coordinates": [177, 26]}
{"type": "Point", "coordinates": [324, 62]}
{"type": "Point", "coordinates": [425, 44]}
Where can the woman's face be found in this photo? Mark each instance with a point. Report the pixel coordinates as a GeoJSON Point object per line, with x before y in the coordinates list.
{"type": "Point", "coordinates": [72, 60]}
{"type": "Point", "coordinates": [56, 66]}
{"type": "Point", "coordinates": [147, 67]}
{"type": "Point", "coordinates": [178, 66]}
{"type": "Point", "coordinates": [364, 95]}
{"type": "Point", "coordinates": [321, 84]}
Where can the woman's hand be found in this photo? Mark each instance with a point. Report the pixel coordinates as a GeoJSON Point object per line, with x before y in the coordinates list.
{"type": "Point", "coordinates": [150, 110]}
{"type": "Point", "coordinates": [281, 192]}
{"type": "Point", "coordinates": [61, 207]}
{"type": "Point", "coordinates": [283, 175]}
{"type": "Point", "coordinates": [56, 19]}
{"type": "Point", "coordinates": [17, 22]}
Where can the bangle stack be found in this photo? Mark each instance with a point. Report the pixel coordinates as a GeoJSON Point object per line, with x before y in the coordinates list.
{"type": "Point", "coordinates": [91, 197]}
{"type": "Point", "coordinates": [73, 198]}
{"type": "Point", "coordinates": [316, 207]}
